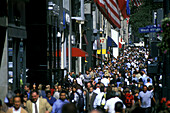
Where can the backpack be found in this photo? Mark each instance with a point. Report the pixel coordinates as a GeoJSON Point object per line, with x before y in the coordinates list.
{"type": "Point", "coordinates": [81, 102]}
{"type": "Point", "coordinates": [128, 99]}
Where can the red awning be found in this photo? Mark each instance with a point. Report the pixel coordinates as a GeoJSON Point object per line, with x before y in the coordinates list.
{"type": "Point", "coordinates": [76, 52]}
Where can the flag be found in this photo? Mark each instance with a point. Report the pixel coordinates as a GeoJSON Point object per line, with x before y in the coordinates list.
{"type": "Point", "coordinates": [137, 2]}
{"type": "Point", "coordinates": [120, 42]}
{"type": "Point", "coordinates": [127, 8]}
{"type": "Point", "coordinates": [111, 42]}
{"type": "Point", "coordinates": [110, 9]}
{"type": "Point", "coordinates": [122, 8]}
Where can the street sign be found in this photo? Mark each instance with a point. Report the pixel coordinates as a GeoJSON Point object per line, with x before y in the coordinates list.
{"type": "Point", "coordinates": [149, 29]}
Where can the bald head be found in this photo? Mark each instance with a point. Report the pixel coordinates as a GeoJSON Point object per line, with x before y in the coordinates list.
{"type": "Point", "coordinates": [96, 111]}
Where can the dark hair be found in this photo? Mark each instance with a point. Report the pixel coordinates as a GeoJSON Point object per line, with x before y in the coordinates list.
{"type": "Point", "coordinates": [63, 92]}
{"type": "Point", "coordinates": [118, 107]}
{"type": "Point", "coordinates": [112, 94]}
{"type": "Point", "coordinates": [102, 88]}
{"type": "Point", "coordinates": [69, 108]}
{"type": "Point", "coordinates": [28, 85]}
{"type": "Point", "coordinates": [17, 91]}
{"type": "Point", "coordinates": [148, 79]}
{"type": "Point", "coordinates": [0, 102]}
{"type": "Point", "coordinates": [25, 93]}
{"type": "Point", "coordinates": [48, 91]}
{"type": "Point", "coordinates": [34, 91]}
{"type": "Point", "coordinates": [17, 97]}
{"type": "Point", "coordinates": [145, 86]}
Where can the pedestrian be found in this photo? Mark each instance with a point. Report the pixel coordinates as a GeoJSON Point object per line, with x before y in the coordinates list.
{"type": "Point", "coordinates": [110, 104]}
{"type": "Point", "coordinates": [91, 96]}
{"type": "Point", "coordinates": [57, 93]}
{"type": "Point", "coordinates": [8, 102]}
{"type": "Point", "coordinates": [145, 97]}
{"type": "Point", "coordinates": [1, 107]}
{"type": "Point", "coordinates": [24, 100]}
{"type": "Point", "coordinates": [57, 106]}
{"type": "Point", "coordinates": [87, 77]}
{"type": "Point", "coordinates": [41, 90]}
{"type": "Point", "coordinates": [118, 107]}
{"type": "Point", "coordinates": [129, 99]}
{"type": "Point", "coordinates": [96, 111]}
{"type": "Point", "coordinates": [50, 98]}
{"type": "Point", "coordinates": [69, 108]}
{"type": "Point", "coordinates": [17, 106]}
{"type": "Point", "coordinates": [100, 100]}
{"type": "Point", "coordinates": [27, 89]}
{"type": "Point", "coordinates": [37, 105]}
{"type": "Point", "coordinates": [105, 81]}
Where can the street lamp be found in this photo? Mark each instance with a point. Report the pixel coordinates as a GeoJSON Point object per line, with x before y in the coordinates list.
{"type": "Point", "coordinates": [53, 12]}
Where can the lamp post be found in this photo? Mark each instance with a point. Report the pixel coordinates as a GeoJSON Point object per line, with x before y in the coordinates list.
{"type": "Point", "coordinates": [53, 12]}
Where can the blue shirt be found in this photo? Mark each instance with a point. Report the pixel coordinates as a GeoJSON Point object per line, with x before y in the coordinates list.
{"type": "Point", "coordinates": [145, 80]}
{"type": "Point", "coordinates": [57, 106]}
{"type": "Point", "coordinates": [135, 78]}
{"type": "Point", "coordinates": [51, 101]}
{"type": "Point", "coordinates": [145, 99]}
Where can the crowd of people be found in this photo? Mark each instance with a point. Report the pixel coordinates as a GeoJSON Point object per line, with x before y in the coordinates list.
{"type": "Point", "coordinates": [119, 85]}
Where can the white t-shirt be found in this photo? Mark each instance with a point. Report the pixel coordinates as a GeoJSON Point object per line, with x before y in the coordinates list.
{"type": "Point", "coordinates": [105, 81]}
{"type": "Point", "coordinates": [79, 81]}
{"type": "Point", "coordinates": [148, 84]}
{"type": "Point", "coordinates": [110, 104]}
{"type": "Point", "coordinates": [98, 99]}
{"type": "Point", "coordinates": [18, 111]}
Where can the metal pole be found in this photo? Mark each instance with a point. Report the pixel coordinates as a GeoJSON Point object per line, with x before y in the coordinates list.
{"type": "Point", "coordinates": [50, 55]}
{"type": "Point", "coordinates": [24, 64]}
{"type": "Point", "coordinates": [58, 58]}
{"type": "Point", "coordinates": [62, 50]}
{"type": "Point", "coordinates": [14, 65]}
{"type": "Point", "coordinates": [54, 50]}
{"type": "Point", "coordinates": [69, 42]}
{"type": "Point", "coordinates": [80, 46]}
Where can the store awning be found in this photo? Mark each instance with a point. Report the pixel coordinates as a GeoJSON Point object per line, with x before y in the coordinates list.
{"type": "Point", "coordinates": [76, 52]}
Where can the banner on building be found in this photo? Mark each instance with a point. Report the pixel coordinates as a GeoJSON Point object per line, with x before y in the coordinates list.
{"type": "Point", "coordinates": [103, 44]}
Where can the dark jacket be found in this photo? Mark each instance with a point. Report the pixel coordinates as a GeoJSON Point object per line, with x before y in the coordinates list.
{"type": "Point", "coordinates": [90, 107]}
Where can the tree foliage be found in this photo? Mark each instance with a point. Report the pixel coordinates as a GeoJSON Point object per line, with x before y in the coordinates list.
{"type": "Point", "coordinates": [142, 16]}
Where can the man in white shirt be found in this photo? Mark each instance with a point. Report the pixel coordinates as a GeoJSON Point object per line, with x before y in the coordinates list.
{"type": "Point", "coordinates": [105, 81]}
{"type": "Point", "coordinates": [37, 105]}
{"type": "Point", "coordinates": [97, 90]}
{"type": "Point", "coordinates": [17, 106]}
{"type": "Point", "coordinates": [98, 99]}
{"type": "Point", "coordinates": [79, 80]}
{"type": "Point", "coordinates": [110, 104]}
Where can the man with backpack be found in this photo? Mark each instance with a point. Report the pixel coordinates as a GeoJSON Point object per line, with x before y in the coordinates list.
{"type": "Point", "coordinates": [129, 99]}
